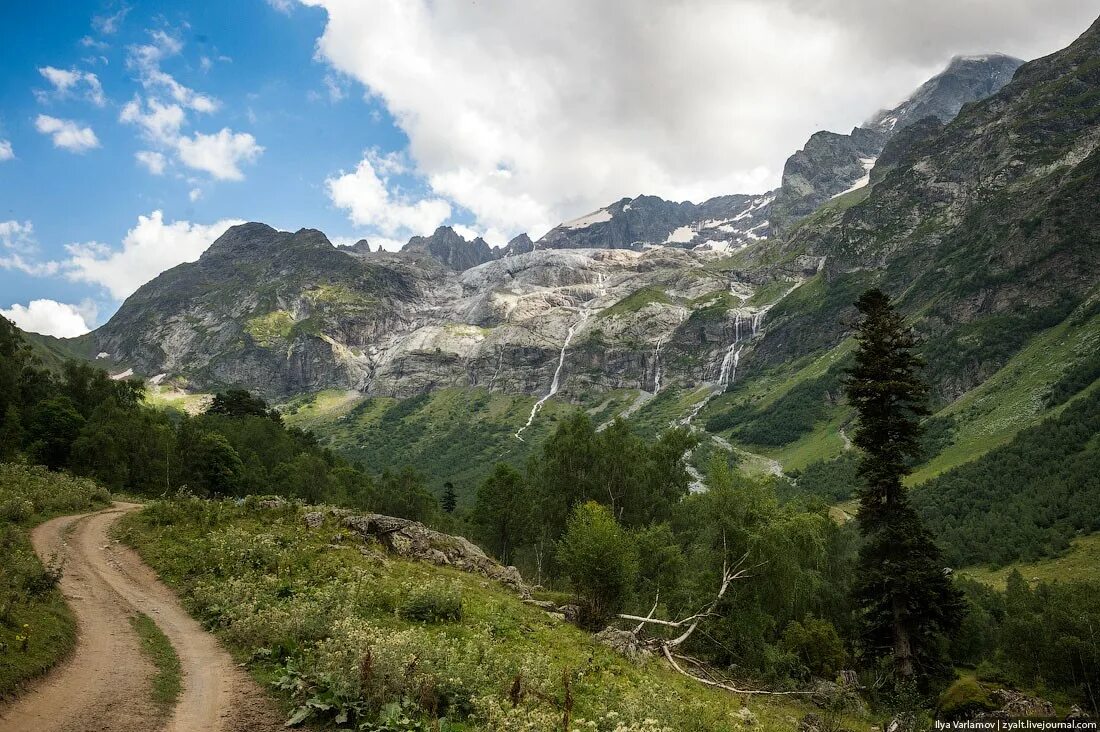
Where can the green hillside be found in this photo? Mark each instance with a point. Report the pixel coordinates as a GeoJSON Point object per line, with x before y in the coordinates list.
{"type": "Point", "coordinates": [304, 608]}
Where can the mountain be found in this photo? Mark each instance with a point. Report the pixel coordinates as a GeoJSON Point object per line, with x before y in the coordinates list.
{"type": "Point", "coordinates": [632, 223]}
{"type": "Point", "coordinates": [966, 79]}
{"type": "Point", "coordinates": [270, 310]}
{"type": "Point", "coordinates": [732, 314]}
{"type": "Point", "coordinates": [829, 165]}
{"type": "Point", "coordinates": [451, 249]}
{"type": "Point", "coordinates": [987, 227]}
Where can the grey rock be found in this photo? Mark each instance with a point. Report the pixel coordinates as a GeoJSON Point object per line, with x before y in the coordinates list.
{"type": "Point", "coordinates": [412, 540]}
{"type": "Point", "coordinates": [623, 642]}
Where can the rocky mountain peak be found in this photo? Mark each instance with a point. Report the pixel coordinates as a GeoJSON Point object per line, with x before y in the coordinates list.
{"type": "Point", "coordinates": [249, 241]}
{"type": "Point", "coordinates": [966, 79]}
{"type": "Point", "coordinates": [451, 249]}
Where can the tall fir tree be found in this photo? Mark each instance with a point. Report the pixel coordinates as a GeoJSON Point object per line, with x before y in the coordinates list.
{"type": "Point", "coordinates": [450, 497]}
{"type": "Point", "coordinates": [908, 604]}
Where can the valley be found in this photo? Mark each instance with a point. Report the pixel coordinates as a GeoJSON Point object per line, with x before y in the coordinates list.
{"type": "Point", "coordinates": [819, 458]}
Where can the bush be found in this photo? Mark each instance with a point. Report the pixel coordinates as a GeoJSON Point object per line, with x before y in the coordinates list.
{"type": "Point", "coordinates": [816, 644]}
{"type": "Point", "coordinates": [963, 700]}
{"type": "Point", "coordinates": [600, 560]}
{"type": "Point", "coordinates": [432, 604]}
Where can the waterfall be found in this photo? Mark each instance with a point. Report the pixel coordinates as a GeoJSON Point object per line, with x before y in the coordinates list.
{"type": "Point", "coordinates": [500, 362]}
{"type": "Point", "coordinates": [555, 382]}
{"type": "Point", "coordinates": [657, 365]}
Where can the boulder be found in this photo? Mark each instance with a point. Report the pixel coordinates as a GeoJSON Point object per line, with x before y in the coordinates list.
{"type": "Point", "coordinates": [314, 519]}
{"type": "Point", "coordinates": [623, 642]}
{"type": "Point", "coordinates": [413, 540]}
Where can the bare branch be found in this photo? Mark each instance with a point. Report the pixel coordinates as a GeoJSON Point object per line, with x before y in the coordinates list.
{"type": "Point", "coordinates": [719, 685]}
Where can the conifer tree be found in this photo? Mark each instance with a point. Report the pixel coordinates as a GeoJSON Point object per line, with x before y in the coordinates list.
{"type": "Point", "coordinates": [450, 497]}
{"type": "Point", "coordinates": [908, 605]}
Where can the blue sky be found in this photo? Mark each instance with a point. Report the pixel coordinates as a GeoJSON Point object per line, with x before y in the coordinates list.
{"type": "Point", "coordinates": [132, 134]}
{"type": "Point", "coordinates": [264, 81]}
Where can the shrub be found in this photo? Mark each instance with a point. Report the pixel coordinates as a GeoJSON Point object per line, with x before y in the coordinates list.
{"type": "Point", "coordinates": [963, 700]}
{"type": "Point", "coordinates": [817, 646]}
{"type": "Point", "coordinates": [432, 604]}
{"type": "Point", "coordinates": [600, 561]}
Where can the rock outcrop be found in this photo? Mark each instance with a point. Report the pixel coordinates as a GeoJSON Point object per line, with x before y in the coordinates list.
{"type": "Point", "coordinates": [412, 540]}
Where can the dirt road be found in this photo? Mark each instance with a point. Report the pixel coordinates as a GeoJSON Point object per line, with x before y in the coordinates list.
{"type": "Point", "coordinates": [105, 686]}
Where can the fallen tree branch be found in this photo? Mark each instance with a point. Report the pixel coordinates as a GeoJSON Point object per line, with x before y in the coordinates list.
{"type": "Point", "coordinates": [720, 685]}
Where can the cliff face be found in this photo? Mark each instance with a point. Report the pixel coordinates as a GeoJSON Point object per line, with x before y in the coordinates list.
{"type": "Point", "coordinates": [286, 313]}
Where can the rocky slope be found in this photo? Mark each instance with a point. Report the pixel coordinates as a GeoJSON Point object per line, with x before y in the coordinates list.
{"type": "Point", "coordinates": [987, 227]}
{"type": "Point", "coordinates": [283, 313]}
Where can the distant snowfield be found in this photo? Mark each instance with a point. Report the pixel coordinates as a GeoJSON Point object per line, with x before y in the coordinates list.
{"type": "Point", "coordinates": [682, 235]}
{"type": "Point", "coordinates": [596, 217]}
{"type": "Point", "coordinates": [868, 163]}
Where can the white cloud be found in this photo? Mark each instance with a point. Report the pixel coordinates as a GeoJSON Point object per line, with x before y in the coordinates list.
{"type": "Point", "coordinates": [6, 152]}
{"type": "Point", "coordinates": [154, 162]}
{"type": "Point", "coordinates": [283, 6]}
{"type": "Point", "coordinates": [17, 235]}
{"type": "Point", "coordinates": [194, 194]}
{"type": "Point", "coordinates": [370, 202]}
{"type": "Point", "coordinates": [219, 154]}
{"type": "Point", "coordinates": [66, 82]}
{"type": "Point", "coordinates": [48, 317]}
{"type": "Point", "coordinates": [148, 249]}
{"type": "Point", "coordinates": [160, 122]}
{"type": "Point", "coordinates": [527, 112]}
{"type": "Point", "coordinates": [19, 247]}
{"type": "Point", "coordinates": [109, 24]}
{"type": "Point", "coordinates": [89, 42]}
{"type": "Point", "coordinates": [145, 59]}
{"type": "Point", "coordinates": [67, 134]}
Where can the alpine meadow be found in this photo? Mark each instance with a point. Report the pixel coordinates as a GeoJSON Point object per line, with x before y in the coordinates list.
{"type": "Point", "coordinates": [811, 450]}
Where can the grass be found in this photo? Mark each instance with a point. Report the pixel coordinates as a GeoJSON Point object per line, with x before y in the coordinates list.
{"type": "Point", "coordinates": [37, 629]}
{"type": "Point", "coordinates": [635, 301]}
{"type": "Point", "coordinates": [271, 328]}
{"type": "Point", "coordinates": [455, 434]}
{"type": "Point", "coordinates": [1013, 398]}
{"type": "Point", "coordinates": [1081, 563]}
{"type": "Point", "coordinates": [166, 397]}
{"type": "Point", "coordinates": [822, 443]}
{"type": "Point", "coordinates": [325, 624]}
{"type": "Point", "coordinates": [167, 681]}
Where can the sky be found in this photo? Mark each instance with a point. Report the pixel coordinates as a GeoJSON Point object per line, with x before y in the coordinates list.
{"type": "Point", "coordinates": [133, 134]}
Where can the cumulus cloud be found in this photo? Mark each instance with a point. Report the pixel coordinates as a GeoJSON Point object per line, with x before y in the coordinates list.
{"type": "Point", "coordinates": [148, 249]}
{"type": "Point", "coordinates": [367, 196]}
{"type": "Point", "coordinates": [6, 151]}
{"type": "Point", "coordinates": [154, 162]}
{"type": "Point", "coordinates": [17, 235]}
{"type": "Point", "coordinates": [220, 154]}
{"type": "Point", "coordinates": [66, 83]}
{"type": "Point", "coordinates": [159, 122]}
{"type": "Point", "coordinates": [527, 113]}
{"type": "Point", "coordinates": [66, 134]}
{"type": "Point", "coordinates": [48, 317]}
